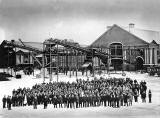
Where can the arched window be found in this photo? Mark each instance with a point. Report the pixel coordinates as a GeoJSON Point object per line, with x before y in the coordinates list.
{"type": "Point", "coordinates": [116, 49]}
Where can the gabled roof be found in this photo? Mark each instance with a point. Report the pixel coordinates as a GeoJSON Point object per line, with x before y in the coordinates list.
{"type": "Point", "coordinates": [146, 35]}
{"type": "Point", "coordinates": [117, 34]}
{"type": "Point", "coordinates": [20, 52]}
{"type": "Point", "coordinates": [38, 45]}
{"type": "Point", "coordinates": [154, 42]}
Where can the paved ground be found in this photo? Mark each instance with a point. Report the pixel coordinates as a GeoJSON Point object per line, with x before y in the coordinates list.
{"type": "Point", "coordinates": [138, 110]}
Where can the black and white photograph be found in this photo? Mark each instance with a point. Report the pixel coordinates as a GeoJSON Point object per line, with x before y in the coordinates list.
{"type": "Point", "coordinates": [79, 58]}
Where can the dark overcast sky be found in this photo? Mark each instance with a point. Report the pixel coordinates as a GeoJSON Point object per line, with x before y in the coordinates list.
{"type": "Point", "coordinates": [81, 20]}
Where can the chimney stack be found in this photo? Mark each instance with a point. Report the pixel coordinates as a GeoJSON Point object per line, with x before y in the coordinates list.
{"type": "Point", "coordinates": [131, 27]}
{"type": "Point", "coordinates": [108, 27]}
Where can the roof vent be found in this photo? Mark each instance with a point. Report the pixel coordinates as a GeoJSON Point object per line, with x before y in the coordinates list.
{"type": "Point", "coordinates": [109, 27]}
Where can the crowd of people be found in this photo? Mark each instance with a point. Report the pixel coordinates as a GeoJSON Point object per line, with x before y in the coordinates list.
{"type": "Point", "coordinates": [111, 92]}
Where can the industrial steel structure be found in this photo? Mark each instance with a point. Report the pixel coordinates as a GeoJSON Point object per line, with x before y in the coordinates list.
{"type": "Point", "coordinates": [62, 56]}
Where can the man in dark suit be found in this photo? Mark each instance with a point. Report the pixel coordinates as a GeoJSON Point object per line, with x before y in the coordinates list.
{"type": "Point", "coordinates": [45, 102]}
{"type": "Point", "coordinates": [150, 96]}
{"type": "Point", "coordinates": [35, 102]}
{"type": "Point", "coordinates": [9, 102]}
{"type": "Point", "coordinates": [4, 100]}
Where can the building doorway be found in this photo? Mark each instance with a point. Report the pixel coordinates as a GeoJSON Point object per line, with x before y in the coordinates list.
{"type": "Point", "coordinates": [139, 63]}
{"type": "Point", "coordinates": [116, 55]}
{"type": "Point", "coordinates": [117, 63]}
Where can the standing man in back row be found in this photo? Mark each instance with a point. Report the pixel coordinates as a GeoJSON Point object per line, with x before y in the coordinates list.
{"type": "Point", "coordinates": [4, 100]}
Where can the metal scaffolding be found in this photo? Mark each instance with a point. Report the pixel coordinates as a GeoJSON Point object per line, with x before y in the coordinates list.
{"type": "Point", "coordinates": [62, 56]}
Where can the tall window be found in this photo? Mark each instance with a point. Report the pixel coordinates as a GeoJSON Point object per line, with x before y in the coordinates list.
{"type": "Point", "coordinates": [116, 49]}
{"type": "Point", "coordinates": [158, 61]}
